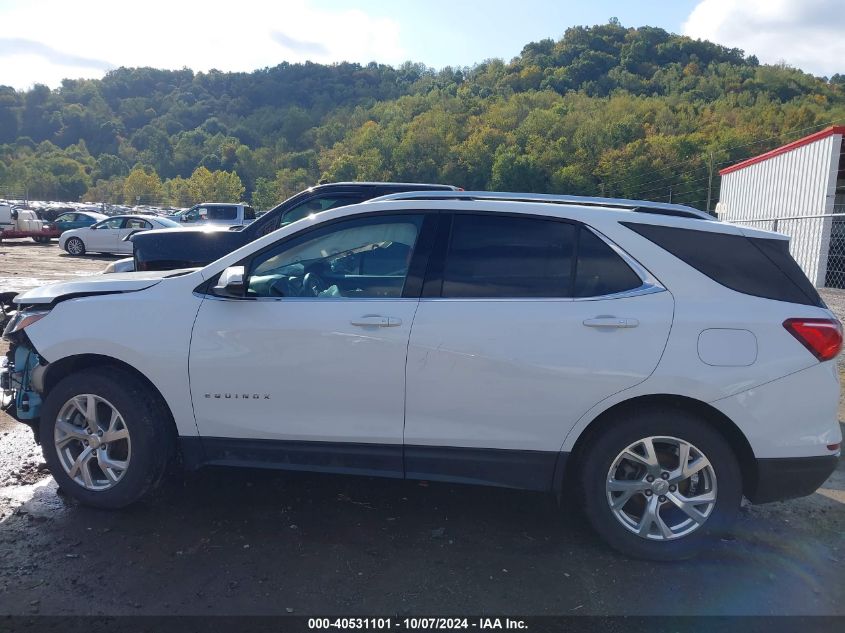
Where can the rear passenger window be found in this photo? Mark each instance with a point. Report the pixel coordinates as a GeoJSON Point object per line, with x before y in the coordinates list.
{"type": "Point", "coordinates": [600, 270]}
{"type": "Point", "coordinates": [223, 213]}
{"type": "Point", "coordinates": [492, 256]}
{"type": "Point", "coordinates": [249, 213]}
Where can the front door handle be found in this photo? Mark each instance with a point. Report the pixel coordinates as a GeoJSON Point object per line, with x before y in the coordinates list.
{"type": "Point", "coordinates": [611, 321]}
{"type": "Point", "coordinates": [376, 320]}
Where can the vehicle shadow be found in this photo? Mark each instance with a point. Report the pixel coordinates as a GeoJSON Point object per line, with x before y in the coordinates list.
{"type": "Point", "coordinates": [262, 542]}
{"type": "Point", "coordinates": [92, 256]}
{"type": "Point", "coordinates": [27, 241]}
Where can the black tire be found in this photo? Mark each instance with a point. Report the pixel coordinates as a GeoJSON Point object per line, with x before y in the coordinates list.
{"type": "Point", "coordinates": [148, 421]}
{"type": "Point", "coordinates": [624, 430]}
{"type": "Point", "coordinates": [75, 240]}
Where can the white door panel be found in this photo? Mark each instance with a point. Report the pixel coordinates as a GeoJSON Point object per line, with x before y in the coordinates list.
{"type": "Point", "coordinates": [315, 374]}
{"type": "Point", "coordinates": [93, 239]}
{"type": "Point", "coordinates": [124, 248]}
{"type": "Point", "coordinates": [102, 240]}
{"type": "Point", "coordinates": [517, 374]}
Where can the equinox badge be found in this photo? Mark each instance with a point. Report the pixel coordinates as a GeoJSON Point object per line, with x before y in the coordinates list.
{"type": "Point", "coordinates": [239, 396]}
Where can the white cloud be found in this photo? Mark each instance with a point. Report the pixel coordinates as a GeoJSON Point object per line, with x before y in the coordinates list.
{"type": "Point", "coordinates": [54, 39]}
{"type": "Point", "coordinates": [807, 34]}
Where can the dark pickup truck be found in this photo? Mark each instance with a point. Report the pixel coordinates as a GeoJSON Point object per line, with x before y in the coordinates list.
{"type": "Point", "coordinates": [188, 248]}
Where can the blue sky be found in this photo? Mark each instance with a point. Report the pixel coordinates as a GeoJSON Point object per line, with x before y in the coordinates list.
{"type": "Point", "coordinates": [44, 41]}
{"type": "Point", "coordinates": [459, 33]}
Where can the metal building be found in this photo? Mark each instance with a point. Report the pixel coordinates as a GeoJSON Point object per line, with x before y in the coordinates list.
{"type": "Point", "coordinates": [799, 190]}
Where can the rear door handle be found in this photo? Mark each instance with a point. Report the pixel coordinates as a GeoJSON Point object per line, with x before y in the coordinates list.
{"type": "Point", "coordinates": [376, 320]}
{"type": "Point", "coordinates": [611, 321]}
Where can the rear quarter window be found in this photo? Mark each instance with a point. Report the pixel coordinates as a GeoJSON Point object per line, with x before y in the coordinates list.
{"type": "Point", "coordinates": [222, 213]}
{"type": "Point", "coordinates": [759, 267]}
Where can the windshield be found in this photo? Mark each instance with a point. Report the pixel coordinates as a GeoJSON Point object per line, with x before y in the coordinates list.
{"type": "Point", "coordinates": [168, 223]}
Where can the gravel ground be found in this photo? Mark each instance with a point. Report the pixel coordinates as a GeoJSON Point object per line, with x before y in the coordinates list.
{"type": "Point", "coordinates": [264, 542]}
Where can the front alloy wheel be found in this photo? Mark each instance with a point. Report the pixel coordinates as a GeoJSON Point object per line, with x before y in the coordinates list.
{"type": "Point", "coordinates": [75, 246]}
{"type": "Point", "coordinates": [108, 437]}
{"type": "Point", "coordinates": [92, 442]}
{"type": "Point", "coordinates": [661, 488]}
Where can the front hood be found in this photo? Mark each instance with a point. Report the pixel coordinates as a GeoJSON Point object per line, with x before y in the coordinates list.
{"type": "Point", "coordinates": [94, 285]}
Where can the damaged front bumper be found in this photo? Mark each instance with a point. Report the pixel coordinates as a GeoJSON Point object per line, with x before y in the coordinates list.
{"type": "Point", "coordinates": [22, 383]}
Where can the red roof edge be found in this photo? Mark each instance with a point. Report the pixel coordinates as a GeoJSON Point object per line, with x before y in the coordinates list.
{"type": "Point", "coordinates": [812, 138]}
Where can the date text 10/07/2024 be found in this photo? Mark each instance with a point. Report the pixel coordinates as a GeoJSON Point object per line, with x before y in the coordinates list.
{"type": "Point", "coordinates": [417, 624]}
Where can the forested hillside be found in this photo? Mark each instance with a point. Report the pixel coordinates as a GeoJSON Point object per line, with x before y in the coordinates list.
{"type": "Point", "coordinates": [605, 110]}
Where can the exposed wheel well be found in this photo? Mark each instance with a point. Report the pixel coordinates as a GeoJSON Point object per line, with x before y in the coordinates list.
{"type": "Point", "coordinates": [715, 418]}
{"type": "Point", "coordinates": [72, 364]}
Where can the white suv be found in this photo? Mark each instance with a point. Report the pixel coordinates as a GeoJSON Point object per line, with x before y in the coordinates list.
{"type": "Point", "coordinates": [658, 362]}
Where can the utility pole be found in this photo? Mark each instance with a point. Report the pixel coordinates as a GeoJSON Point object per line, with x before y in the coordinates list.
{"type": "Point", "coordinates": [709, 180]}
{"type": "Point", "coordinates": [670, 194]}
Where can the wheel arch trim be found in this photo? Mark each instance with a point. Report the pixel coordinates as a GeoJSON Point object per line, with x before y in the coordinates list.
{"type": "Point", "coordinates": [56, 370]}
{"type": "Point", "coordinates": [576, 443]}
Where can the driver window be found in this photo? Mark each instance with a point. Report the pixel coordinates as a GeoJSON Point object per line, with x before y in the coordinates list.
{"type": "Point", "coordinates": [356, 259]}
{"type": "Point", "coordinates": [114, 223]}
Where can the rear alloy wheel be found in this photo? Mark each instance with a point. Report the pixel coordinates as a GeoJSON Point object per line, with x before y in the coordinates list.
{"type": "Point", "coordinates": [107, 437]}
{"type": "Point", "coordinates": [660, 483]}
{"type": "Point", "coordinates": [661, 488]}
{"type": "Point", "coordinates": [75, 246]}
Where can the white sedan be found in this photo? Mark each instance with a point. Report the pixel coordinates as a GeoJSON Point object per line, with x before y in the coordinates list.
{"type": "Point", "coordinates": [107, 236]}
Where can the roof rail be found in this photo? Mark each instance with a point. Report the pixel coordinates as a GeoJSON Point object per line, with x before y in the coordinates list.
{"type": "Point", "coordinates": [642, 206]}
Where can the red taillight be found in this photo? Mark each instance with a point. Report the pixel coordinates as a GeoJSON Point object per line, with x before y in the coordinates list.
{"type": "Point", "coordinates": [823, 337]}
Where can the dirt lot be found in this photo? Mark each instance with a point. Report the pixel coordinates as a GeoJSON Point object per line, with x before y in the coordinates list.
{"type": "Point", "coordinates": [25, 265]}
{"type": "Point", "coordinates": [262, 542]}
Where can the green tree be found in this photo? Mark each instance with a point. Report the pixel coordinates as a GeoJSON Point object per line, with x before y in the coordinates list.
{"type": "Point", "coordinates": [177, 192]}
{"type": "Point", "coordinates": [142, 187]}
{"type": "Point", "coordinates": [215, 186]}
{"type": "Point", "coordinates": [108, 166]}
{"type": "Point", "coordinates": [9, 117]}
{"type": "Point", "coordinates": [604, 108]}
{"type": "Point", "coordinates": [109, 191]}
{"type": "Point", "coordinates": [266, 194]}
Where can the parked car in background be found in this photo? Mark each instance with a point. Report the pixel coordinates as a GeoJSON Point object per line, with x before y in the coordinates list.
{"type": "Point", "coordinates": [76, 220]}
{"type": "Point", "coordinates": [545, 343]}
{"type": "Point", "coordinates": [108, 236]}
{"type": "Point", "coordinates": [16, 222]}
{"type": "Point", "coordinates": [162, 250]}
{"type": "Point", "coordinates": [216, 213]}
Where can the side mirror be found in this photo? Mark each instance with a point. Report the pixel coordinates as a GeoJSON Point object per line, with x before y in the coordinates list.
{"type": "Point", "coordinates": [183, 218]}
{"type": "Point", "coordinates": [231, 282]}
